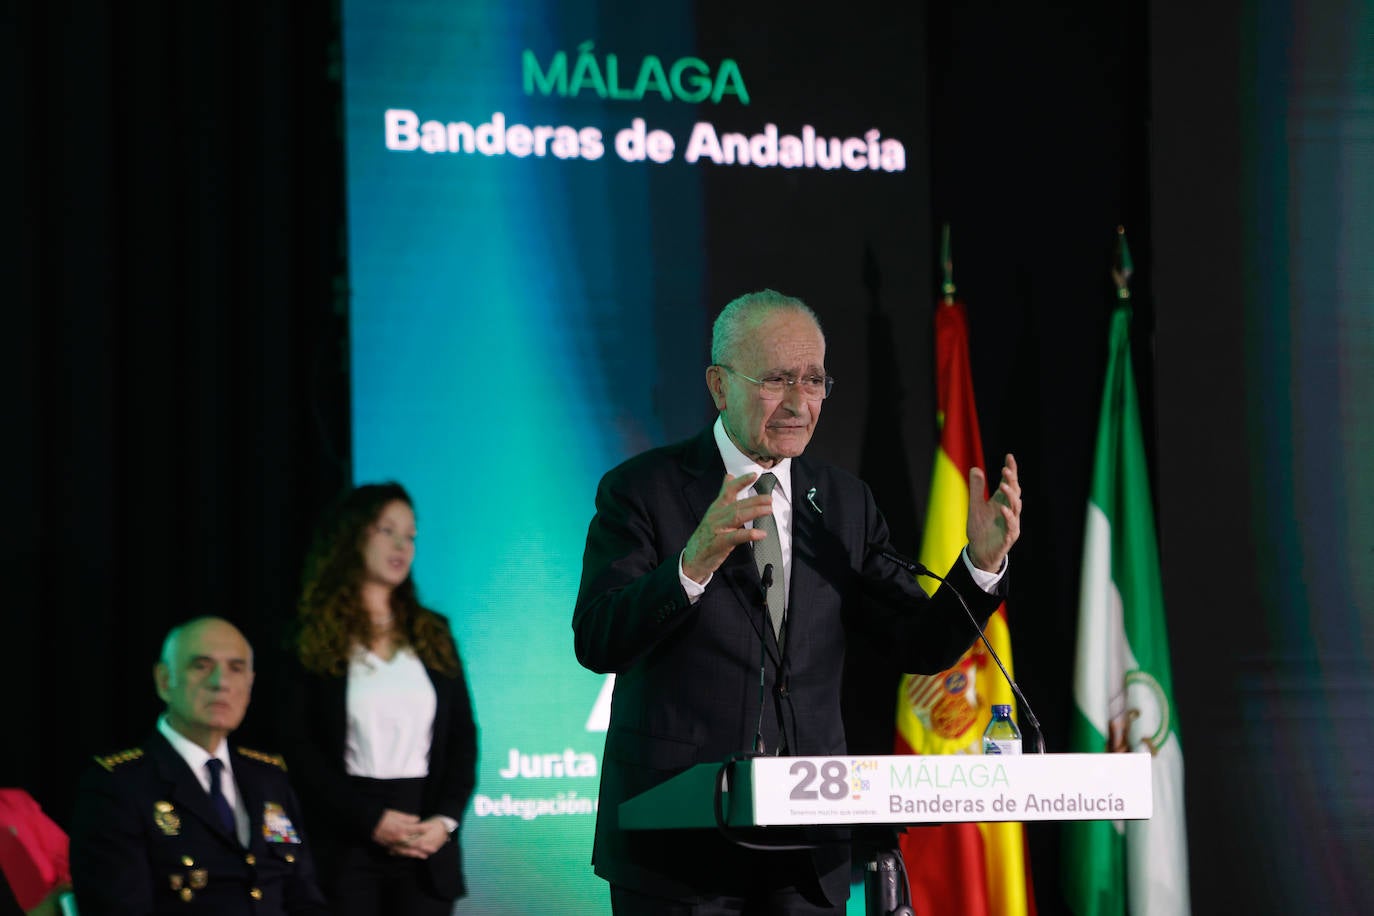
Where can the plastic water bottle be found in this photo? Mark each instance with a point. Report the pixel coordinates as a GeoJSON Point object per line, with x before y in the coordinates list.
{"type": "Point", "coordinates": [1001, 736]}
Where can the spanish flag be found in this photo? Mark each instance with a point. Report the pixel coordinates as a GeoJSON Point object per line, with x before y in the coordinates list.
{"type": "Point", "coordinates": [959, 869]}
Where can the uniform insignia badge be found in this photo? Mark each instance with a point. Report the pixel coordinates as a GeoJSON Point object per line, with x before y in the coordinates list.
{"type": "Point", "coordinates": [277, 826]}
{"type": "Point", "coordinates": [110, 761]}
{"type": "Point", "coordinates": [199, 878]}
{"type": "Point", "coordinates": [275, 760]}
{"type": "Point", "coordinates": [166, 818]}
{"type": "Point", "coordinates": [175, 881]}
{"type": "Point", "coordinates": [187, 894]}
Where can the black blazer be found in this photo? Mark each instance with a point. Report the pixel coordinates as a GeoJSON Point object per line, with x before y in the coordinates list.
{"type": "Point", "coordinates": [314, 732]}
{"type": "Point", "coordinates": [687, 676]}
{"type": "Point", "coordinates": [145, 839]}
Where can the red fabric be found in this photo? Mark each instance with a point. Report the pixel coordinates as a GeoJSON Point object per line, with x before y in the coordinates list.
{"type": "Point", "coordinates": [960, 437]}
{"type": "Point", "coordinates": [33, 850]}
{"type": "Point", "coordinates": [946, 863]}
{"type": "Point", "coordinates": [939, 860]}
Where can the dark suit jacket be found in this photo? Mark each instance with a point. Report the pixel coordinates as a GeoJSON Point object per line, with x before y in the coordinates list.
{"type": "Point", "coordinates": [145, 840]}
{"type": "Point", "coordinates": [687, 676]}
{"type": "Point", "coordinates": [314, 732]}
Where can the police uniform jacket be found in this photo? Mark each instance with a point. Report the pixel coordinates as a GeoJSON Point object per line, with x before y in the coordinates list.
{"type": "Point", "coordinates": [145, 839]}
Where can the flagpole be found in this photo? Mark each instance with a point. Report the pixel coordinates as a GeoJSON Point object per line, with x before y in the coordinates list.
{"type": "Point", "coordinates": [947, 263]}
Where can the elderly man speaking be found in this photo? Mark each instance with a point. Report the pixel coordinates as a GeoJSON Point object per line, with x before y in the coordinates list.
{"type": "Point", "coordinates": [720, 577]}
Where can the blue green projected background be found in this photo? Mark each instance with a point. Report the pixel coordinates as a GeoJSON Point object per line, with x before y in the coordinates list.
{"type": "Point", "coordinates": [531, 296]}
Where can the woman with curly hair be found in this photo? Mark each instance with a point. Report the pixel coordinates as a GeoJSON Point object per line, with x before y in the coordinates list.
{"type": "Point", "coordinates": [379, 724]}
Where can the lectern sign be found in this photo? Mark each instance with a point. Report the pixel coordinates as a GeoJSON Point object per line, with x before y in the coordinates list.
{"type": "Point", "coordinates": [917, 789]}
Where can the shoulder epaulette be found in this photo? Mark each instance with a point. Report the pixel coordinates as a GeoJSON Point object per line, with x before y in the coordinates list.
{"type": "Point", "coordinates": [110, 761]}
{"type": "Point", "coordinates": [276, 760]}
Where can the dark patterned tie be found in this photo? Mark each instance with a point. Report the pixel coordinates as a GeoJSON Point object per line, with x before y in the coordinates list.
{"type": "Point", "coordinates": [217, 799]}
{"type": "Point", "coordinates": [769, 552]}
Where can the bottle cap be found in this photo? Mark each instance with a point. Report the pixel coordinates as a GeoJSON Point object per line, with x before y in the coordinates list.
{"type": "Point", "coordinates": [1001, 709]}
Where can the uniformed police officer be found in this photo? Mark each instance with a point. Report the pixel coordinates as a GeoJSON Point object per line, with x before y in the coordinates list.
{"type": "Point", "coordinates": [186, 823]}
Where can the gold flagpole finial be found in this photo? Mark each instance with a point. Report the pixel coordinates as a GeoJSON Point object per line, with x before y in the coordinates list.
{"type": "Point", "coordinates": [947, 263]}
{"type": "Point", "coordinates": [1122, 267]}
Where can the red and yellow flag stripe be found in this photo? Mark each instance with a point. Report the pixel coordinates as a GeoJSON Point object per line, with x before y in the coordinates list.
{"type": "Point", "coordinates": [959, 869]}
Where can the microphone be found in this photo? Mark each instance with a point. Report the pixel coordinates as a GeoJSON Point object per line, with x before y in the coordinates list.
{"type": "Point", "coordinates": [767, 578]}
{"type": "Point", "coordinates": [919, 569]}
{"type": "Point", "coordinates": [911, 566]}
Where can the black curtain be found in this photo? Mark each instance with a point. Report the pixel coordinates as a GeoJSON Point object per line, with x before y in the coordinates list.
{"type": "Point", "coordinates": [179, 407]}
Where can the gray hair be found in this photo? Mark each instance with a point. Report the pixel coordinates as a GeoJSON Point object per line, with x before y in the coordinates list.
{"type": "Point", "coordinates": [174, 635]}
{"type": "Point", "coordinates": [743, 315]}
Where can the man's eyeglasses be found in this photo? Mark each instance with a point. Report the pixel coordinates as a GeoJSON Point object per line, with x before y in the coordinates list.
{"type": "Point", "coordinates": [812, 387]}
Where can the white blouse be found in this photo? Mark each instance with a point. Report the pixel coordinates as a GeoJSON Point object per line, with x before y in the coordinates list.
{"type": "Point", "coordinates": [390, 707]}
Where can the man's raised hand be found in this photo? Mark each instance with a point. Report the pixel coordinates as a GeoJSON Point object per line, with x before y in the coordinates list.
{"type": "Point", "coordinates": [722, 528]}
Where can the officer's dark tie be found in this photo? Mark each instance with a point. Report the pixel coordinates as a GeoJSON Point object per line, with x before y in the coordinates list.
{"type": "Point", "coordinates": [769, 552]}
{"type": "Point", "coordinates": [217, 799]}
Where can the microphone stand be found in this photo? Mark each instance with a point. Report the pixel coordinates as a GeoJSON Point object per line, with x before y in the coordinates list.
{"type": "Point", "coordinates": [726, 768]}
{"type": "Point", "coordinates": [919, 569]}
{"type": "Point", "coordinates": [763, 659]}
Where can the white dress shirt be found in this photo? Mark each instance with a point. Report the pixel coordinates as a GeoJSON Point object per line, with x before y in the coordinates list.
{"type": "Point", "coordinates": [390, 715]}
{"type": "Point", "coordinates": [196, 757]}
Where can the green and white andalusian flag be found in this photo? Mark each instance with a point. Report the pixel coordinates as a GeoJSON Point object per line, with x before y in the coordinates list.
{"type": "Point", "coordinates": [1123, 689]}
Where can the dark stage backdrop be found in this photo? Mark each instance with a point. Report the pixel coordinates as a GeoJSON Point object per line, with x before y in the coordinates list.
{"type": "Point", "coordinates": [176, 390]}
{"type": "Point", "coordinates": [180, 408]}
{"type": "Point", "coordinates": [1263, 170]}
